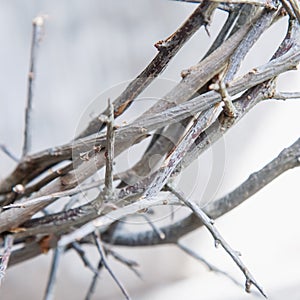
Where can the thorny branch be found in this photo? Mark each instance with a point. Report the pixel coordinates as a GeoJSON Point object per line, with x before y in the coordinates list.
{"type": "Point", "coordinates": [167, 48]}
{"type": "Point", "coordinates": [187, 120]}
{"type": "Point", "coordinates": [286, 160]}
{"type": "Point", "coordinates": [219, 240]}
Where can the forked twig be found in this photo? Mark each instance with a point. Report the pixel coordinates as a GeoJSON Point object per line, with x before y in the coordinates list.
{"type": "Point", "coordinates": [92, 287]}
{"type": "Point", "coordinates": [219, 240]}
{"type": "Point", "coordinates": [206, 263]}
{"type": "Point", "coordinates": [167, 48]}
{"type": "Point", "coordinates": [77, 247]}
{"type": "Point", "coordinates": [289, 158]}
{"type": "Point", "coordinates": [131, 264]}
{"type": "Point", "coordinates": [101, 251]}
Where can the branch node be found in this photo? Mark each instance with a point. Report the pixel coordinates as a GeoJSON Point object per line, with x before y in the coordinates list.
{"type": "Point", "coordinates": [248, 284]}
{"type": "Point", "coordinates": [161, 45]}
{"type": "Point", "coordinates": [19, 189]}
{"type": "Point", "coordinates": [229, 108]}
{"type": "Point", "coordinates": [217, 243]}
{"type": "Point", "coordinates": [219, 240]}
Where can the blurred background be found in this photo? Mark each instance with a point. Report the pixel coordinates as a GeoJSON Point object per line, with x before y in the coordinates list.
{"type": "Point", "coordinates": [90, 47]}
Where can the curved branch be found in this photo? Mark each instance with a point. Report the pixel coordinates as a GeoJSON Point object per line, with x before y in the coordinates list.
{"type": "Point", "coordinates": [289, 158]}
{"type": "Point", "coordinates": [167, 50]}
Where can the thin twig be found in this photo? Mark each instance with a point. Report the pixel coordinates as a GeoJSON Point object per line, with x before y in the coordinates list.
{"type": "Point", "coordinates": [37, 33]}
{"type": "Point", "coordinates": [9, 153]}
{"type": "Point", "coordinates": [70, 192]}
{"type": "Point", "coordinates": [210, 266]}
{"type": "Point", "coordinates": [49, 293]}
{"type": "Point", "coordinates": [35, 164]}
{"type": "Point", "coordinates": [265, 3]}
{"type": "Point", "coordinates": [247, 101]}
{"type": "Point", "coordinates": [203, 121]}
{"type": "Point", "coordinates": [219, 240]}
{"type": "Point", "coordinates": [289, 158]}
{"type": "Point", "coordinates": [260, 25]}
{"type": "Point", "coordinates": [207, 68]}
{"type": "Point", "coordinates": [38, 167]}
{"type": "Point", "coordinates": [8, 243]}
{"type": "Point", "coordinates": [109, 154]}
{"type": "Point", "coordinates": [106, 265]}
{"type": "Point", "coordinates": [77, 247]}
{"type": "Point", "coordinates": [92, 287]}
{"type": "Point", "coordinates": [223, 34]}
{"type": "Point", "coordinates": [154, 227]}
{"type": "Point", "coordinates": [167, 48]}
{"type": "Point", "coordinates": [131, 264]}
{"type": "Point", "coordinates": [66, 220]}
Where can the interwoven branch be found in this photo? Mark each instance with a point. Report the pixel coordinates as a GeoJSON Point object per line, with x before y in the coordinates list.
{"type": "Point", "coordinates": [186, 121]}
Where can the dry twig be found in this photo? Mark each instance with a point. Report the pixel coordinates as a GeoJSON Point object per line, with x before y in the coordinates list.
{"type": "Point", "coordinates": [206, 263]}
{"type": "Point", "coordinates": [37, 33]}
{"type": "Point", "coordinates": [219, 240]}
{"type": "Point", "coordinates": [189, 114]}
{"type": "Point", "coordinates": [106, 265]}
{"type": "Point", "coordinates": [8, 243]}
{"type": "Point", "coordinates": [49, 293]}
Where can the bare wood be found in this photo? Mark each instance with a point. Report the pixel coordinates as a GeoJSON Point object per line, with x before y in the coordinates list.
{"type": "Point", "coordinates": [285, 62]}
{"type": "Point", "coordinates": [9, 153]}
{"type": "Point", "coordinates": [210, 267]}
{"type": "Point", "coordinates": [109, 154]}
{"type": "Point", "coordinates": [252, 2]}
{"type": "Point", "coordinates": [286, 160]}
{"type": "Point", "coordinates": [219, 240]}
{"type": "Point", "coordinates": [167, 50]}
{"type": "Point", "coordinates": [286, 95]}
{"type": "Point", "coordinates": [37, 32]}
{"type": "Point", "coordinates": [37, 163]}
{"type": "Point", "coordinates": [72, 227]}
